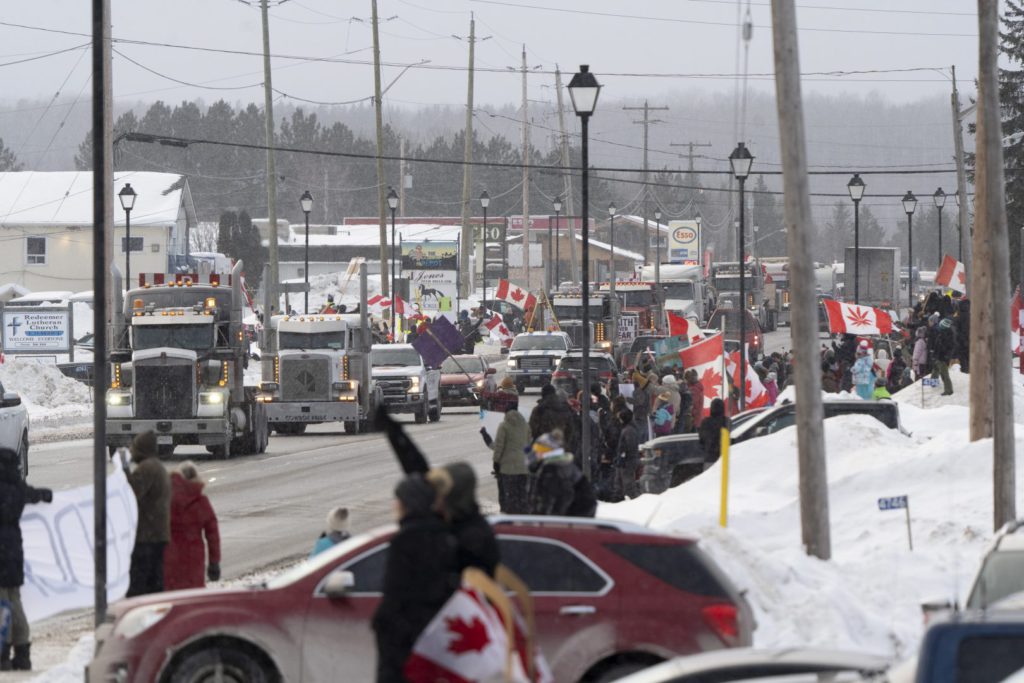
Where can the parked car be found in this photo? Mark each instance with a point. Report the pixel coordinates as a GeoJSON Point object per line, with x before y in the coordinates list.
{"type": "Point", "coordinates": [668, 461]}
{"type": "Point", "coordinates": [569, 372]}
{"type": "Point", "coordinates": [731, 317]}
{"type": "Point", "coordinates": [609, 598]}
{"type": "Point", "coordinates": [784, 415]}
{"type": "Point", "coordinates": [974, 645]}
{"type": "Point", "coordinates": [748, 664]}
{"type": "Point", "coordinates": [14, 424]}
{"type": "Point", "coordinates": [465, 380]}
{"type": "Point", "coordinates": [639, 345]}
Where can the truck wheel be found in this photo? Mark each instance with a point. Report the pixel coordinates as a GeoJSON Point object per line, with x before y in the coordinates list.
{"type": "Point", "coordinates": [23, 456]}
{"type": "Point", "coordinates": [222, 451]}
{"type": "Point", "coordinates": [435, 414]}
{"type": "Point", "coordinates": [299, 428]}
{"type": "Point", "coordinates": [421, 413]}
{"type": "Point", "coordinates": [520, 388]}
{"type": "Point", "coordinates": [351, 427]}
{"type": "Point", "coordinates": [165, 450]}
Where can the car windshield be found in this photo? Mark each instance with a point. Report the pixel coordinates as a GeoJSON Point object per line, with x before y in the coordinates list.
{"type": "Point", "coordinates": [460, 365]}
{"type": "Point", "coordinates": [538, 343]}
{"type": "Point", "coordinates": [678, 290]}
{"type": "Point", "coordinates": [191, 337]}
{"type": "Point", "coordinates": [638, 299]}
{"type": "Point", "coordinates": [381, 358]}
{"type": "Point", "coordinates": [576, 363]}
{"type": "Point", "coordinates": [1002, 575]}
{"type": "Point", "coordinates": [311, 340]}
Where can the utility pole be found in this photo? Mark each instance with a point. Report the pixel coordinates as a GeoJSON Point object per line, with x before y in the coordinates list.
{"type": "Point", "coordinates": [385, 285]}
{"type": "Point", "coordinates": [646, 123]}
{"type": "Point", "coordinates": [690, 155]}
{"type": "Point", "coordinates": [990, 281]}
{"type": "Point", "coordinates": [526, 179]}
{"type": "Point", "coordinates": [810, 436]}
{"type": "Point", "coordinates": [961, 173]}
{"type": "Point", "coordinates": [401, 173]}
{"type": "Point", "coordinates": [567, 205]}
{"type": "Point", "coordinates": [468, 243]}
{"type": "Point", "coordinates": [269, 346]}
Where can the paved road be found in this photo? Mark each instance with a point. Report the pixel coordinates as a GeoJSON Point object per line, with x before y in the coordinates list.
{"type": "Point", "coordinates": [272, 506]}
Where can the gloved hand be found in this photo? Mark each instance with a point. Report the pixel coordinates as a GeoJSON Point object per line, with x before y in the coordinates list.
{"type": "Point", "coordinates": [46, 495]}
{"type": "Point", "coordinates": [213, 572]}
{"type": "Point", "coordinates": [487, 437]}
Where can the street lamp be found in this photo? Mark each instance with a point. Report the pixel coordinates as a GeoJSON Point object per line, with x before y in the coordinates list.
{"type": "Point", "coordinates": [306, 200]}
{"type": "Point", "coordinates": [657, 250]}
{"type": "Point", "coordinates": [393, 204]}
{"type": "Point", "coordinates": [909, 204]}
{"type": "Point", "coordinates": [127, 196]}
{"type": "Point", "coordinates": [740, 160]}
{"type": "Point", "coordinates": [583, 91]}
{"type": "Point", "coordinates": [485, 201]}
{"type": "Point", "coordinates": [611, 238]}
{"type": "Point", "coordinates": [940, 201]}
{"type": "Point", "coordinates": [856, 189]}
{"type": "Point", "coordinates": [558, 239]}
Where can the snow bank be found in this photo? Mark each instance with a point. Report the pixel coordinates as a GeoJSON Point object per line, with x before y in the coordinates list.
{"type": "Point", "coordinates": [867, 597]}
{"type": "Point", "coordinates": [49, 395]}
{"type": "Point", "coordinates": [73, 668]}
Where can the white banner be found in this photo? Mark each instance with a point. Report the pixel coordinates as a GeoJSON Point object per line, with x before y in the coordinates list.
{"type": "Point", "coordinates": [58, 541]}
{"type": "Point", "coordinates": [490, 420]}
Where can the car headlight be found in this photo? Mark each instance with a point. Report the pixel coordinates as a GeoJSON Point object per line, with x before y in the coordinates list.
{"type": "Point", "coordinates": [512, 363]}
{"type": "Point", "coordinates": [211, 397]}
{"type": "Point", "coordinates": [414, 385]}
{"type": "Point", "coordinates": [479, 384]}
{"type": "Point", "coordinates": [140, 619]}
{"type": "Point", "coordinates": [118, 398]}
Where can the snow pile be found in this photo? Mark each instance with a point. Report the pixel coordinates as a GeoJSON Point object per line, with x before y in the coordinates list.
{"type": "Point", "coordinates": [73, 668]}
{"type": "Point", "coordinates": [931, 397]}
{"type": "Point", "coordinates": [47, 392]}
{"type": "Point", "coordinates": [867, 597]}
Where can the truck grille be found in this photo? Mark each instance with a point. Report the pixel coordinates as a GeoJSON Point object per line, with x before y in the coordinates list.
{"type": "Point", "coordinates": [575, 332]}
{"type": "Point", "coordinates": [528, 363]}
{"type": "Point", "coordinates": [164, 391]}
{"type": "Point", "coordinates": [394, 387]}
{"type": "Point", "coordinates": [306, 379]}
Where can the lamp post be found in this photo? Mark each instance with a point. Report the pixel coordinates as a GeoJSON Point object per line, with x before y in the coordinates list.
{"type": "Point", "coordinates": [909, 204]}
{"type": "Point", "coordinates": [856, 189]}
{"type": "Point", "coordinates": [611, 240]}
{"type": "Point", "coordinates": [940, 201]}
{"type": "Point", "coordinates": [657, 251]}
{"type": "Point", "coordinates": [485, 201]}
{"type": "Point", "coordinates": [740, 160]}
{"type": "Point", "coordinates": [393, 204]}
{"type": "Point", "coordinates": [306, 201]}
{"type": "Point", "coordinates": [127, 196]}
{"type": "Point", "coordinates": [583, 90]}
{"type": "Point", "coordinates": [558, 239]}
{"type": "Point", "coordinates": [700, 237]}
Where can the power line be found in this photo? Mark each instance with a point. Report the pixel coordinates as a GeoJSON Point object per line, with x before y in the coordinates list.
{"type": "Point", "coordinates": [851, 9]}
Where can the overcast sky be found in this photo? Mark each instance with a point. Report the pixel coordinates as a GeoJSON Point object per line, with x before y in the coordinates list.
{"type": "Point", "coordinates": [618, 38]}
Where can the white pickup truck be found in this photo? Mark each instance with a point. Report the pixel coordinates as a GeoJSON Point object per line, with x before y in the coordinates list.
{"type": "Point", "coordinates": [405, 383]}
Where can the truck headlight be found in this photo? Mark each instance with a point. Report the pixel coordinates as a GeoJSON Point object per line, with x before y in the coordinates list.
{"type": "Point", "coordinates": [211, 397]}
{"type": "Point", "coordinates": [118, 398]}
{"type": "Point", "coordinates": [414, 386]}
{"type": "Point", "coordinates": [512, 363]}
{"type": "Point", "coordinates": [139, 620]}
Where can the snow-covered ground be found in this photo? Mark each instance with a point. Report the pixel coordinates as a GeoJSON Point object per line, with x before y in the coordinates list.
{"type": "Point", "coordinates": [868, 596]}
{"type": "Point", "coordinates": [58, 406]}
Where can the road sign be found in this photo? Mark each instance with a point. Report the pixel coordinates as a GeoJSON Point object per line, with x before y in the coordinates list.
{"type": "Point", "coordinates": [930, 381]}
{"type": "Point", "coordinates": [893, 503]}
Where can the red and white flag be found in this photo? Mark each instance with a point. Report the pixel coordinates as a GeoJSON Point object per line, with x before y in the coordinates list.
{"type": "Point", "coordinates": [402, 308]}
{"type": "Point", "coordinates": [467, 641]}
{"type": "Point", "coordinates": [498, 328]}
{"type": "Point", "coordinates": [854, 319]}
{"type": "Point", "coordinates": [1016, 319]}
{"type": "Point", "coordinates": [515, 295]}
{"type": "Point", "coordinates": [757, 395]}
{"type": "Point", "coordinates": [376, 302]}
{"type": "Point", "coordinates": [678, 326]}
{"type": "Point", "coordinates": [706, 357]}
{"type": "Point", "coordinates": [952, 274]}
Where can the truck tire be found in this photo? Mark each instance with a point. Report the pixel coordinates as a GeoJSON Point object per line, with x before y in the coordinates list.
{"type": "Point", "coordinates": [422, 412]}
{"type": "Point", "coordinates": [165, 450]}
{"type": "Point", "coordinates": [352, 426]}
{"type": "Point", "coordinates": [222, 451]}
{"type": "Point", "coordinates": [435, 414]}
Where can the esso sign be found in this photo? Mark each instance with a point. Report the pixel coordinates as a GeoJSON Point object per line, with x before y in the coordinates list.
{"type": "Point", "coordinates": [684, 235]}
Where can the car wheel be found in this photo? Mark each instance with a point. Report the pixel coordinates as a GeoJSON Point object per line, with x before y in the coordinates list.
{"type": "Point", "coordinates": [221, 665]}
{"type": "Point", "coordinates": [421, 413]}
{"type": "Point", "coordinates": [435, 414]}
{"type": "Point", "coordinates": [617, 671]}
{"type": "Point", "coordinates": [23, 456]}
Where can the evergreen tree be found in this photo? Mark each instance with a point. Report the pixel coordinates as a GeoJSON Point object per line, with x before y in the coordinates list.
{"type": "Point", "coordinates": [226, 228]}
{"type": "Point", "coordinates": [250, 249]}
{"type": "Point", "coordinates": [8, 159]}
{"type": "Point", "coordinates": [1011, 101]}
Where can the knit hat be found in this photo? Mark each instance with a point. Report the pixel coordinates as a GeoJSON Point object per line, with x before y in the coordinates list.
{"type": "Point", "coordinates": [934, 318]}
{"type": "Point", "coordinates": [772, 376]}
{"type": "Point", "coordinates": [507, 382]}
{"type": "Point", "coordinates": [545, 443]}
{"type": "Point", "coordinates": [143, 446]}
{"type": "Point", "coordinates": [189, 471]}
{"type": "Point", "coordinates": [337, 520]}
{"type": "Point", "coordinates": [921, 332]}
{"type": "Point", "coordinates": [547, 390]}
{"type": "Point", "coordinates": [416, 495]}
{"type": "Point", "coordinates": [880, 382]}
{"type": "Point", "coordinates": [668, 379]}
{"type": "Point", "coordinates": [897, 352]}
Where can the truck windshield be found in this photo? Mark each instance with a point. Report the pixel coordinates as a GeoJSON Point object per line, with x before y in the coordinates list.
{"type": "Point", "coordinates": [678, 290]}
{"type": "Point", "coordinates": [311, 340]}
{"type": "Point", "coordinates": [731, 283]}
{"type": "Point", "coordinates": [381, 358]}
{"type": "Point", "coordinates": [538, 343]}
{"type": "Point", "coordinates": [568, 312]}
{"type": "Point", "coordinates": [638, 299]}
{"type": "Point", "coordinates": [191, 337]}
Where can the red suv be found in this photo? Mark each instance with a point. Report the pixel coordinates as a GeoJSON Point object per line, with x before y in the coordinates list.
{"type": "Point", "coordinates": [610, 598]}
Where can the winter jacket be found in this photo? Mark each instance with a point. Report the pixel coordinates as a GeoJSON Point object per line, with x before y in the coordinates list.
{"type": "Point", "coordinates": [192, 518]}
{"type": "Point", "coordinates": [14, 495]}
{"type": "Point", "coordinates": [641, 401]}
{"type": "Point", "coordinates": [880, 393]}
{"type": "Point", "coordinates": [476, 544]}
{"type": "Point", "coordinates": [550, 413]}
{"type": "Point", "coordinates": [828, 382]}
{"type": "Point", "coordinates": [773, 391]}
{"type": "Point", "coordinates": [697, 408]}
{"type": "Point", "coordinates": [944, 344]}
{"type": "Point", "coordinates": [894, 373]}
{"type": "Point", "coordinates": [420, 574]}
{"type": "Point", "coordinates": [676, 398]}
{"type": "Point", "coordinates": [663, 418]}
{"type": "Point", "coordinates": [862, 371]}
{"type": "Point", "coordinates": [628, 450]}
{"type": "Point", "coordinates": [325, 542]}
{"type": "Point", "coordinates": [710, 432]}
{"type": "Point", "coordinates": [920, 357]}
{"type": "Point", "coordinates": [553, 487]}
{"type": "Point", "coordinates": [152, 486]}
{"type": "Point", "coordinates": [510, 441]}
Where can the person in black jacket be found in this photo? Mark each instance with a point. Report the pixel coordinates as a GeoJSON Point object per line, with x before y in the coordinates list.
{"type": "Point", "coordinates": [14, 495]}
{"type": "Point", "coordinates": [963, 334]}
{"type": "Point", "coordinates": [943, 346]}
{"type": "Point", "coordinates": [627, 455]}
{"type": "Point", "coordinates": [710, 431]}
{"type": "Point", "coordinates": [477, 546]}
{"type": "Point", "coordinates": [420, 574]}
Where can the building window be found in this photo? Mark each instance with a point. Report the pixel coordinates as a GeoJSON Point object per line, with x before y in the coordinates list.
{"type": "Point", "coordinates": [136, 244]}
{"type": "Point", "coordinates": [35, 251]}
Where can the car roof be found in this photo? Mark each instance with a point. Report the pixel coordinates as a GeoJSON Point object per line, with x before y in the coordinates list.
{"type": "Point", "coordinates": [1011, 542]}
{"type": "Point", "coordinates": [707, 662]}
{"type": "Point", "coordinates": [593, 354]}
{"type": "Point", "coordinates": [586, 523]}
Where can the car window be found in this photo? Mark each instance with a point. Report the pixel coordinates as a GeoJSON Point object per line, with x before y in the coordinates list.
{"type": "Point", "coordinates": [781, 421]}
{"type": "Point", "coordinates": [985, 659]}
{"type": "Point", "coordinates": [1001, 575]}
{"type": "Point", "coordinates": [550, 567]}
{"type": "Point", "coordinates": [368, 570]}
{"type": "Point", "coordinates": [680, 566]}
{"type": "Point", "coordinates": [883, 412]}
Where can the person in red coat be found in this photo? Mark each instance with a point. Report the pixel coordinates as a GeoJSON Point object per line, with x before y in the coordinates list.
{"type": "Point", "coordinates": [192, 518]}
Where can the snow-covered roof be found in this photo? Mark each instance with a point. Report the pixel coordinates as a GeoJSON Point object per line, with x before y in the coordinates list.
{"type": "Point", "coordinates": [639, 222]}
{"type": "Point", "coordinates": [619, 251]}
{"type": "Point", "coordinates": [65, 198]}
{"type": "Point", "coordinates": [368, 235]}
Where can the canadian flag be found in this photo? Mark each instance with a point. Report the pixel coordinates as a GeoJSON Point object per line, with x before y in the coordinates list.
{"type": "Point", "coordinates": [467, 641]}
{"type": "Point", "coordinates": [854, 319]}
{"type": "Point", "coordinates": [401, 308]}
{"type": "Point", "coordinates": [757, 395]}
{"type": "Point", "coordinates": [952, 274]}
{"type": "Point", "coordinates": [678, 326]}
{"type": "Point", "coordinates": [1016, 319]}
{"type": "Point", "coordinates": [376, 303]}
{"type": "Point", "coordinates": [497, 327]}
{"type": "Point", "coordinates": [515, 295]}
{"type": "Point", "coordinates": [706, 357]}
